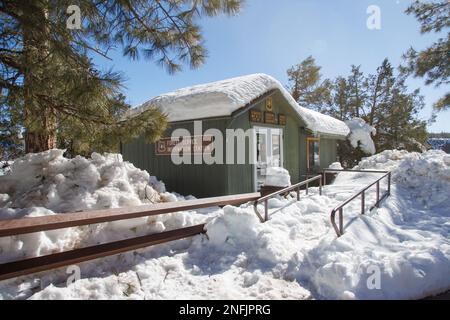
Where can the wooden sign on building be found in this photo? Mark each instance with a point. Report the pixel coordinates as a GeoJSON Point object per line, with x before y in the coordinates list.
{"type": "Point", "coordinates": [255, 116]}
{"type": "Point", "coordinates": [269, 117]}
{"type": "Point", "coordinates": [189, 144]}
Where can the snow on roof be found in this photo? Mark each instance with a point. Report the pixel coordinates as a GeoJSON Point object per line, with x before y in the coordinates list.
{"type": "Point", "coordinates": [222, 98]}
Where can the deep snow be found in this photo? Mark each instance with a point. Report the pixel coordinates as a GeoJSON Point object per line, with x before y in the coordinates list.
{"type": "Point", "coordinates": [295, 255]}
{"type": "Point", "coordinates": [48, 183]}
{"type": "Point", "coordinates": [230, 95]}
{"type": "Point", "coordinates": [361, 135]}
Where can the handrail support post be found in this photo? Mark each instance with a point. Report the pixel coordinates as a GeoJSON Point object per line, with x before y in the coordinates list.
{"type": "Point", "coordinates": [363, 202]}
{"type": "Point", "coordinates": [378, 194]}
{"type": "Point", "coordinates": [389, 184]}
{"type": "Point", "coordinates": [266, 210]}
{"type": "Point", "coordinates": [320, 186]}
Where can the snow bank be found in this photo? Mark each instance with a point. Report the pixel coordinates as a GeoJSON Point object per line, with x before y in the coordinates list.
{"type": "Point", "coordinates": [335, 166]}
{"type": "Point", "coordinates": [425, 176]}
{"type": "Point", "coordinates": [222, 98]}
{"type": "Point", "coordinates": [277, 177]}
{"type": "Point", "coordinates": [295, 255]}
{"type": "Point", "coordinates": [361, 135]}
{"type": "Point", "coordinates": [4, 167]}
{"type": "Point", "coordinates": [47, 183]}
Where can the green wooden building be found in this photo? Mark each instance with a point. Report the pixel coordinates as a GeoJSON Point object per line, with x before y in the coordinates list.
{"type": "Point", "coordinates": [284, 134]}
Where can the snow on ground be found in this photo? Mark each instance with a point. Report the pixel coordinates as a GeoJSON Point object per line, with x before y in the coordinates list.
{"type": "Point", "coordinates": [48, 183]}
{"type": "Point", "coordinates": [4, 167]}
{"type": "Point", "coordinates": [277, 177]}
{"type": "Point", "coordinates": [361, 135]}
{"type": "Point", "coordinates": [296, 254]}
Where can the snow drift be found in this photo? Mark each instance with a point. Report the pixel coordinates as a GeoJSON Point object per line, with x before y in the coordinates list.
{"type": "Point", "coordinates": [361, 135]}
{"type": "Point", "coordinates": [230, 95]}
{"type": "Point", "coordinates": [47, 183]}
{"type": "Point", "coordinates": [296, 254]}
{"type": "Point", "coordinates": [277, 177]}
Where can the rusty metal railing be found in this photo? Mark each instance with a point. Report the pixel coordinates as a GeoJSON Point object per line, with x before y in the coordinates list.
{"type": "Point", "coordinates": [13, 227]}
{"type": "Point", "coordinates": [295, 187]}
{"type": "Point", "coordinates": [340, 208]}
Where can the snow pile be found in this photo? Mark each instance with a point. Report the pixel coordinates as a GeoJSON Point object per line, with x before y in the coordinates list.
{"type": "Point", "coordinates": [47, 183]}
{"type": "Point", "coordinates": [386, 160]}
{"type": "Point", "coordinates": [277, 177]}
{"type": "Point", "coordinates": [399, 251]}
{"type": "Point", "coordinates": [335, 166]}
{"type": "Point", "coordinates": [222, 98]}
{"type": "Point", "coordinates": [5, 167]}
{"type": "Point", "coordinates": [361, 135]}
{"type": "Point", "coordinates": [59, 184]}
{"type": "Point", "coordinates": [426, 177]}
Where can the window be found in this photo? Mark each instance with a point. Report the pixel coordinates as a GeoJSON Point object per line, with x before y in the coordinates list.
{"type": "Point", "coordinates": [313, 152]}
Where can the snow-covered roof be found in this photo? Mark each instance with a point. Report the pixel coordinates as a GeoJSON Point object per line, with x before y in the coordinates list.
{"type": "Point", "coordinates": [222, 98]}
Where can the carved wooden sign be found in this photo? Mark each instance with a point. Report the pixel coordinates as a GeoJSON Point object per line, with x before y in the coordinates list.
{"type": "Point", "coordinates": [188, 145]}
{"type": "Point", "coordinates": [269, 117]}
{"type": "Point", "coordinates": [255, 116]}
{"type": "Point", "coordinates": [281, 119]}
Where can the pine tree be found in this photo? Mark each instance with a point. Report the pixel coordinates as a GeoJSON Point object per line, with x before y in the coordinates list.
{"type": "Point", "coordinates": [381, 99]}
{"type": "Point", "coordinates": [306, 86]}
{"type": "Point", "coordinates": [51, 86]}
{"type": "Point", "coordinates": [432, 63]}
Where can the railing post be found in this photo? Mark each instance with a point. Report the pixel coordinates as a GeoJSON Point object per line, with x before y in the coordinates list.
{"type": "Point", "coordinates": [298, 193]}
{"type": "Point", "coordinates": [320, 186]}
{"type": "Point", "coordinates": [389, 184]}
{"type": "Point", "coordinates": [266, 210]}
{"type": "Point", "coordinates": [363, 202]}
{"type": "Point", "coordinates": [341, 221]}
{"type": "Point", "coordinates": [378, 193]}
{"type": "Point", "coordinates": [324, 178]}
{"type": "Point", "coordinates": [307, 187]}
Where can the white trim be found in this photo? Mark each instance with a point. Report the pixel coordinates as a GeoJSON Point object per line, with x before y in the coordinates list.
{"type": "Point", "coordinates": [269, 150]}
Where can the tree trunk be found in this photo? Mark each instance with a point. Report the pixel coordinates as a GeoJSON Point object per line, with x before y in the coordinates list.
{"type": "Point", "coordinates": [39, 119]}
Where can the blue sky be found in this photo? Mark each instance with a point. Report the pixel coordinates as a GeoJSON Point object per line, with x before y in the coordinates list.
{"type": "Point", "coordinates": [269, 36]}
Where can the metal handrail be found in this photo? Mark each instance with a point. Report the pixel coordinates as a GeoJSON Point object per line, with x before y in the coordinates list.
{"type": "Point", "coordinates": [295, 187]}
{"type": "Point", "coordinates": [20, 226]}
{"type": "Point", "coordinates": [340, 208]}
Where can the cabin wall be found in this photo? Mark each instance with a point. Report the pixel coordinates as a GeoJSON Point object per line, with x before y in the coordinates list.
{"type": "Point", "coordinates": [328, 152]}
{"type": "Point", "coordinates": [200, 180]}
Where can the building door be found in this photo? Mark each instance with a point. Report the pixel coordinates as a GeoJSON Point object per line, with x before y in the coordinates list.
{"type": "Point", "coordinates": [313, 154]}
{"type": "Point", "coordinates": [269, 152]}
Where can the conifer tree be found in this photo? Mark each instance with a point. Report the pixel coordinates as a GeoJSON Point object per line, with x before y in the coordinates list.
{"type": "Point", "coordinates": [432, 63]}
{"type": "Point", "coordinates": [50, 86]}
{"type": "Point", "coordinates": [381, 99]}
{"type": "Point", "coordinates": [306, 86]}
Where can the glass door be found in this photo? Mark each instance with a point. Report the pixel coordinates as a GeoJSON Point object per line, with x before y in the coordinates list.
{"type": "Point", "coordinates": [269, 152]}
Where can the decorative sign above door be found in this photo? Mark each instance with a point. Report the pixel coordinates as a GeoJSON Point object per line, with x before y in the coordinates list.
{"type": "Point", "coordinates": [255, 116]}
{"type": "Point", "coordinates": [269, 104]}
{"type": "Point", "coordinates": [269, 117]}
